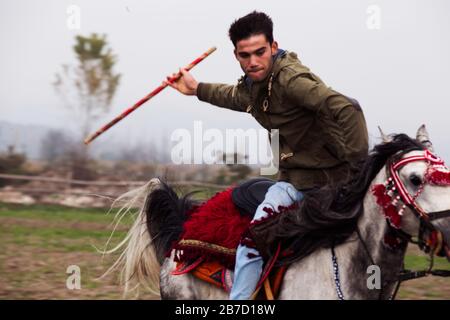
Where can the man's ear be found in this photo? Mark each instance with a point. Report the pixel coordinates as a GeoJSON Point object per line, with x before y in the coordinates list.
{"type": "Point", "coordinates": [274, 47]}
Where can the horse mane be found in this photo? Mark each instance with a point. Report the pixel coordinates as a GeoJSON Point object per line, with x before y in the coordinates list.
{"type": "Point", "coordinates": [166, 214]}
{"type": "Point", "coordinates": [327, 216]}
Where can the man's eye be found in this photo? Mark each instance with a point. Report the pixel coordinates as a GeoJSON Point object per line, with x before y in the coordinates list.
{"type": "Point", "coordinates": [244, 55]}
{"type": "Point", "coordinates": [260, 53]}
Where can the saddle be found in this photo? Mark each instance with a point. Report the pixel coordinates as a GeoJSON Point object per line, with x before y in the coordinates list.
{"type": "Point", "coordinates": [217, 274]}
{"type": "Point", "coordinates": [212, 232]}
{"type": "Point", "coordinates": [248, 195]}
{"type": "Point", "coordinates": [215, 228]}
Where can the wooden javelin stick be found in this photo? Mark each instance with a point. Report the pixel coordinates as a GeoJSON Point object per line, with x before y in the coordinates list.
{"type": "Point", "coordinates": [146, 98]}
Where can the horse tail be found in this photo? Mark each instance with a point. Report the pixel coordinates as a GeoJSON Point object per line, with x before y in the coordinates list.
{"type": "Point", "coordinates": [158, 223]}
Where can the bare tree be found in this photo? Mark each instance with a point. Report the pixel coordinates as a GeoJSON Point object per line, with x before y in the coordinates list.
{"type": "Point", "coordinates": [88, 88]}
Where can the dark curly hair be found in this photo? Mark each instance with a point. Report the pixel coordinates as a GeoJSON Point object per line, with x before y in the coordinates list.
{"type": "Point", "coordinates": [252, 24]}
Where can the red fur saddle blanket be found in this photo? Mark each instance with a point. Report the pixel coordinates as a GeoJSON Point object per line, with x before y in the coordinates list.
{"type": "Point", "coordinates": [208, 243]}
{"type": "Point", "coordinates": [213, 231]}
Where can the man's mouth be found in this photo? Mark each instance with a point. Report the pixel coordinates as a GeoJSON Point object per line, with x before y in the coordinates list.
{"type": "Point", "coordinates": [255, 71]}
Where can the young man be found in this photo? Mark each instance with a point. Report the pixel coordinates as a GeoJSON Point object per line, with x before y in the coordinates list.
{"type": "Point", "coordinates": [322, 132]}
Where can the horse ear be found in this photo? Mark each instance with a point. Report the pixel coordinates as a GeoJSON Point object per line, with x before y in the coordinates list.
{"type": "Point", "coordinates": [423, 138]}
{"type": "Point", "coordinates": [384, 137]}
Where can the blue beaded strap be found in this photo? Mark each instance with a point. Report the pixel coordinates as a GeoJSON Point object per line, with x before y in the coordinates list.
{"type": "Point", "coordinates": [337, 280]}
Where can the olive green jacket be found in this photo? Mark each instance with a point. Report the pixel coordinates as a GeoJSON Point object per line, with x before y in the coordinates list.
{"type": "Point", "coordinates": [322, 132]}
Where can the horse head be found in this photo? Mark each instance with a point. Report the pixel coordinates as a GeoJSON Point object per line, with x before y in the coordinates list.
{"type": "Point", "coordinates": [416, 197]}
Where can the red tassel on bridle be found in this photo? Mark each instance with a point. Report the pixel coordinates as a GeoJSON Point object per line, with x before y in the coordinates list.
{"type": "Point", "coordinates": [386, 202]}
{"type": "Point", "coordinates": [438, 175]}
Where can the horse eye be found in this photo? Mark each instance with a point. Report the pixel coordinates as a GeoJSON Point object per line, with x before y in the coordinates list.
{"type": "Point", "coordinates": [415, 180]}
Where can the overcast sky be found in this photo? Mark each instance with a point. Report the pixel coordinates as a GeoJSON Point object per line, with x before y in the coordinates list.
{"type": "Point", "coordinates": [399, 72]}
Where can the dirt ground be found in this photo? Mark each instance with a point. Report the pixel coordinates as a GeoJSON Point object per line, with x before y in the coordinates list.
{"type": "Point", "coordinates": [35, 253]}
{"type": "Point", "coordinates": [38, 243]}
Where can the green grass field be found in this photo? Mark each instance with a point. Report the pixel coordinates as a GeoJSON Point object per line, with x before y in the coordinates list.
{"type": "Point", "coordinates": [38, 243]}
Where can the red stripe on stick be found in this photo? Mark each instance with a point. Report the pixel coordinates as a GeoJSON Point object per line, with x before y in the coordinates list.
{"type": "Point", "coordinates": [146, 98]}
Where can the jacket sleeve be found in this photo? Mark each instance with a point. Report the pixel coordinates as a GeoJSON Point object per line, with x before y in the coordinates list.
{"type": "Point", "coordinates": [305, 91]}
{"type": "Point", "coordinates": [352, 127]}
{"type": "Point", "coordinates": [344, 119]}
{"type": "Point", "coordinates": [223, 95]}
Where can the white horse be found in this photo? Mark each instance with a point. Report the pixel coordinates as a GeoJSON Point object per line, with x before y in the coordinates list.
{"type": "Point", "coordinates": [402, 193]}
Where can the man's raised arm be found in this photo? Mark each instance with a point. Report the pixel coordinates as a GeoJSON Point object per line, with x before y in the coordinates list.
{"type": "Point", "coordinates": [221, 95]}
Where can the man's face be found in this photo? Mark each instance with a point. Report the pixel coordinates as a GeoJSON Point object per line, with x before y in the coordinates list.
{"type": "Point", "coordinates": [255, 56]}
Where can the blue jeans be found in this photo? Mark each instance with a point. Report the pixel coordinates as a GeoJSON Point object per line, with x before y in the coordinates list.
{"type": "Point", "coordinates": [247, 271]}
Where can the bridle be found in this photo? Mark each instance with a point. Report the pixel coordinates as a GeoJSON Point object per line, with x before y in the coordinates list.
{"type": "Point", "coordinates": [397, 191]}
{"type": "Point", "coordinates": [430, 240]}
{"type": "Point", "coordinates": [394, 197]}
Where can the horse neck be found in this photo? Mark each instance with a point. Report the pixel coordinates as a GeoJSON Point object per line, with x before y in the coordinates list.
{"type": "Point", "coordinates": [371, 247]}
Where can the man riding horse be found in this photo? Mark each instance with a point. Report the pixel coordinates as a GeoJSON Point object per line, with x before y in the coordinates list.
{"type": "Point", "coordinates": [322, 132]}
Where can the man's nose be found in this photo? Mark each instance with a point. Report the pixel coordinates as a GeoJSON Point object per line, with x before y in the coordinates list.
{"type": "Point", "coordinates": [253, 60]}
